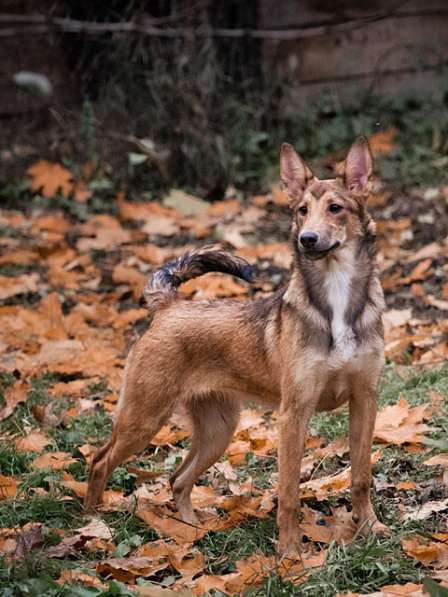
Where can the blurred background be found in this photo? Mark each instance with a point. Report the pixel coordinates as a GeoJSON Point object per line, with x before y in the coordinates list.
{"type": "Point", "coordinates": [199, 94]}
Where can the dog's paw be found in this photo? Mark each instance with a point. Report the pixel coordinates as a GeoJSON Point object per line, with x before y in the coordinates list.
{"type": "Point", "coordinates": [373, 525]}
{"type": "Point", "coordinates": [190, 518]}
{"type": "Point", "coordinates": [378, 528]}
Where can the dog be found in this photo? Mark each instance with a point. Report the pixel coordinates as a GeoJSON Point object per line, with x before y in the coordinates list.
{"type": "Point", "coordinates": [309, 347]}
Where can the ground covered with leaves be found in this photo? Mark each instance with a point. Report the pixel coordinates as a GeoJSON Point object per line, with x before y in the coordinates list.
{"type": "Point", "coordinates": [72, 269]}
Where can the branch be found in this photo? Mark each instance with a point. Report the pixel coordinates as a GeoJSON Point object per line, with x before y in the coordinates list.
{"type": "Point", "coordinates": [41, 24]}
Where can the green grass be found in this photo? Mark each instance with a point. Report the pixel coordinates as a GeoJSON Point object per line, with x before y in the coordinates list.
{"type": "Point", "coordinates": [50, 509]}
{"type": "Point", "coordinates": [91, 428]}
{"type": "Point", "coordinates": [14, 269]}
{"type": "Point", "coordinates": [363, 566]}
{"type": "Point", "coordinates": [224, 548]}
{"type": "Point", "coordinates": [413, 384]}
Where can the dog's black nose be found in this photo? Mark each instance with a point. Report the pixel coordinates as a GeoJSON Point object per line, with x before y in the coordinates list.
{"type": "Point", "coordinates": [308, 239]}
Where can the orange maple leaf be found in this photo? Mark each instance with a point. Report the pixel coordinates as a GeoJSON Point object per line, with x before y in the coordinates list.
{"type": "Point", "coordinates": [382, 143]}
{"type": "Point", "coordinates": [49, 177]}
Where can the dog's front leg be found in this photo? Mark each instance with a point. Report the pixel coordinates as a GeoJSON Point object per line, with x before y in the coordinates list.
{"type": "Point", "coordinates": [295, 412]}
{"type": "Point", "coordinates": [362, 422]}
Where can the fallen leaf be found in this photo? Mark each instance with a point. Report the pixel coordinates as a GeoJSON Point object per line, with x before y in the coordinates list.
{"type": "Point", "coordinates": [331, 484]}
{"type": "Point", "coordinates": [131, 277]}
{"type": "Point", "coordinates": [49, 177]}
{"type": "Point", "coordinates": [54, 460]}
{"type": "Point", "coordinates": [428, 552]}
{"type": "Point", "coordinates": [426, 509]}
{"type": "Point", "coordinates": [337, 527]}
{"type": "Point", "coordinates": [33, 442]}
{"type": "Point", "coordinates": [8, 487]}
{"type": "Point", "coordinates": [213, 286]}
{"type": "Point", "coordinates": [185, 203]}
{"type": "Point", "coordinates": [128, 569]}
{"type": "Point", "coordinates": [406, 485]}
{"type": "Point", "coordinates": [12, 286]}
{"type": "Point", "coordinates": [96, 528]}
{"type": "Point", "coordinates": [28, 537]}
{"type": "Point", "coordinates": [382, 142]}
{"type": "Point", "coordinates": [399, 424]}
{"type": "Point", "coordinates": [111, 497]}
{"type": "Point", "coordinates": [149, 590]}
{"type": "Point", "coordinates": [169, 435]}
{"type": "Point", "coordinates": [438, 460]}
{"type": "Point", "coordinates": [72, 576]}
{"type": "Point", "coordinates": [396, 318]}
{"type": "Point", "coordinates": [13, 396]}
{"type": "Point", "coordinates": [168, 523]}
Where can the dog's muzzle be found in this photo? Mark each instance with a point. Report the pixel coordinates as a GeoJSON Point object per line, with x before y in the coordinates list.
{"type": "Point", "coordinates": [315, 253]}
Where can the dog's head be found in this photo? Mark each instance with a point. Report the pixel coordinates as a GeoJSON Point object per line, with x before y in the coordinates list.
{"type": "Point", "coordinates": [327, 213]}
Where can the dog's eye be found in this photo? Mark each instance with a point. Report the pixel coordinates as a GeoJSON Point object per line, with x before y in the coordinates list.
{"type": "Point", "coordinates": [335, 208]}
{"type": "Point", "coordinates": [303, 210]}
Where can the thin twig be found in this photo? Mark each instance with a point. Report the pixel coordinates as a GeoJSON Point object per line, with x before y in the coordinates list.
{"type": "Point", "coordinates": [40, 24]}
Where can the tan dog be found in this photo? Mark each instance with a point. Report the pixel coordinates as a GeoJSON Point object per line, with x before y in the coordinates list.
{"type": "Point", "coordinates": [309, 347]}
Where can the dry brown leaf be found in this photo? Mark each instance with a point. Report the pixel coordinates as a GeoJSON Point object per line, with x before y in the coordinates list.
{"type": "Point", "coordinates": [33, 442]}
{"type": "Point", "coordinates": [128, 569]}
{"type": "Point", "coordinates": [12, 286]}
{"type": "Point", "coordinates": [438, 303]}
{"type": "Point", "coordinates": [406, 485]}
{"type": "Point", "coordinates": [158, 591]}
{"type": "Point", "coordinates": [321, 488]}
{"type": "Point", "coordinates": [409, 589]}
{"type": "Point", "coordinates": [169, 435]}
{"type": "Point", "coordinates": [54, 460]}
{"type": "Point", "coordinates": [399, 424]}
{"type": "Point", "coordinates": [28, 537]}
{"type": "Point", "coordinates": [382, 142]}
{"type": "Point", "coordinates": [8, 543]}
{"type": "Point", "coordinates": [131, 277]}
{"type": "Point", "coordinates": [96, 528]}
{"type": "Point", "coordinates": [49, 177]}
{"type": "Point", "coordinates": [168, 523]}
{"type": "Point", "coordinates": [53, 223]}
{"type": "Point", "coordinates": [432, 251]}
{"type": "Point", "coordinates": [237, 451]}
{"type": "Point", "coordinates": [78, 576]}
{"type": "Point", "coordinates": [72, 388]}
{"type": "Point", "coordinates": [111, 497]}
{"type": "Point", "coordinates": [19, 257]}
{"type": "Point", "coordinates": [337, 527]}
{"type": "Point", "coordinates": [428, 552]}
{"type": "Point", "coordinates": [8, 487]}
{"type": "Point", "coordinates": [278, 253]}
{"type": "Point", "coordinates": [395, 318]}
{"type": "Point", "coordinates": [438, 460]}
{"type": "Point", "coordinates": [426, 509]}
{"type": "Point", "coordinates": [13, 396]}
{"type": "Point", "coordinates": [213, 286]}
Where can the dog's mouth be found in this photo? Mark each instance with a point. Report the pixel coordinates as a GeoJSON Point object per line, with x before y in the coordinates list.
{"type": "Point", "coordinates": [315, 254]}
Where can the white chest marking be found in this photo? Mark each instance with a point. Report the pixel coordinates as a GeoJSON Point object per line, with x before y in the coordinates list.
{"type": "Point", "coordinates": [337, 285]}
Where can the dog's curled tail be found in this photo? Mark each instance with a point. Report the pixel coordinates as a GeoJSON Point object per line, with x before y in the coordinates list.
{"type": "Point", "coordinates": [162, 287]}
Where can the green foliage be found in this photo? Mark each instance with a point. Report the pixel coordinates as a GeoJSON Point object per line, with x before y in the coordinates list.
{"type": "Point", "coordinates": [362, 567]}
{"type": "Point", "coordinates": [87, 428]}
{"type": "Point", "coordinates": [224, 548]}
{"type": "Point", "coordinates": [49, 509]}
{"type": "Point", "coordinates": [13, 462]}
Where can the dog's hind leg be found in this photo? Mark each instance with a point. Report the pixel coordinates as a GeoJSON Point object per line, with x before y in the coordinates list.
{"type": "Point", "coordinates": [134, 428]}
{"type": "Point", "coordinates": [214, 419]}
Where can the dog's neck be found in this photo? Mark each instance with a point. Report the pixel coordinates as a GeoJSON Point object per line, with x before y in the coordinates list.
{"type": "Point", "coordinates": [338, 288]}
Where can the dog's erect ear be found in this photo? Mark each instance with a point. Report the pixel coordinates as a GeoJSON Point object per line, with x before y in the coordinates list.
{"type": "Point", "coordinates": [294, 173]}
{"type": "Point", "coordinates": [358, 166]}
